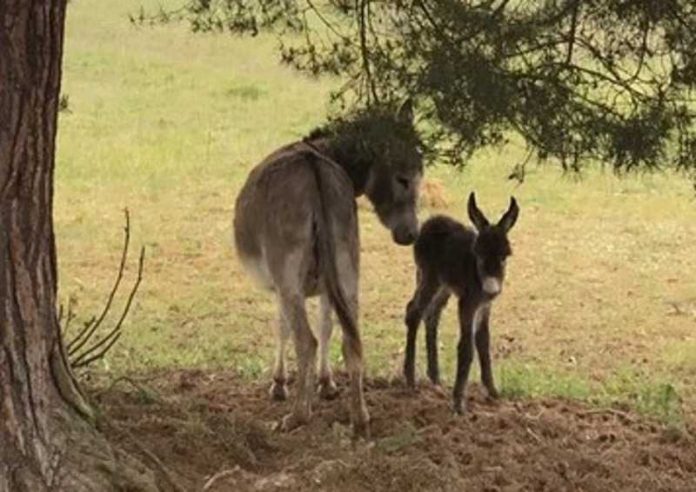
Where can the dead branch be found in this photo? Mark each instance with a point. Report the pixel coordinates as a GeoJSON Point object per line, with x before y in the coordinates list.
{"type": "Point", "coordinates": [110, 339]}
{"type": "Point", "coordinates": [172, 479]}
{"type": "Point", "coordinates": [69, 315]}
{"type": "Point", "coordinates": [137, 384]}
{"type": "Point", "coordinates": [81, 339]}
{"type": "Point", "coordinates": [82, 350]}
{"type": "Point", "coordinates": [610, 411]}
{"type": "Point", "coordinates": [219, 476]}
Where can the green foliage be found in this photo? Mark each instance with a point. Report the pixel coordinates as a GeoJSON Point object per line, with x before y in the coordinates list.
{"type": "Point", "coordinates": [608, 80]}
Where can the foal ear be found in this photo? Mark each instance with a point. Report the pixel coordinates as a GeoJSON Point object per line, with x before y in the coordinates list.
{"type": "Point", "coordinates": [508, 220]}
{"type": "Point", "coordinates": [479, 220]}
{"type": "Point", "coordinates": [405, 112]}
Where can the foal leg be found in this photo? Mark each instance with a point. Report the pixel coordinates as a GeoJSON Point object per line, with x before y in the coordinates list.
{"type": "Point", "coordinates": [293, 306]}
{"type": "Point", "coordinates": [327, 387]}
{"type": "Point", "coordinates": [432, 320]}
{"type": "Point", "coordinates": [465, 352]}
{"type": "Point", "coordinates": [483, 349]}
{"type": "Point", "coordinates": [426, 288]}
{"type": "Point", "coordinates": [278, 390]}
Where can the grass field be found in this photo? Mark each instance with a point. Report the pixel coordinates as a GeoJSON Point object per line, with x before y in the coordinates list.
{"type": "Point", "coordinates": [600, 304]}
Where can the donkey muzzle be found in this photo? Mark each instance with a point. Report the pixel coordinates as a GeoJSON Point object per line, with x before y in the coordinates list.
{"type": "Point", "coordinates": [404, 234]}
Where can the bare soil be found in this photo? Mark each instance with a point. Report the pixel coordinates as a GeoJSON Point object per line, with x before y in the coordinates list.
{"type": "Point", "coordinates": [215, 432]}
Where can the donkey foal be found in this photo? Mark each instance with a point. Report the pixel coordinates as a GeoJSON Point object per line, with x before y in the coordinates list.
{"type": "Point", "coordinates": [454, 259]}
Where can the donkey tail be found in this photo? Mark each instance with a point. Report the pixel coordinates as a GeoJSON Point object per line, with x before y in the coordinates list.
{"type": "Point", "coordinates": [327, 253]}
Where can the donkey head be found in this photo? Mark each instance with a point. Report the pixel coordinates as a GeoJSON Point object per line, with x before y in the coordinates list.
{"type": "Point", "coordinates": [491, 247]}
{"type": "Point", "coordinates": [394, 178]}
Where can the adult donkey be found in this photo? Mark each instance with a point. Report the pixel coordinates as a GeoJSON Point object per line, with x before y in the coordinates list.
{"type": "Point", "coordinates": [296, 231]}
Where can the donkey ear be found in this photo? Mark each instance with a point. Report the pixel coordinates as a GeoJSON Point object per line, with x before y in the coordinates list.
{"type": "Point", "coordinates": [405, 112]}
{"type": "Point", "coordinates": [479, 220]}
{"type": "Point", "coordinates": [508, 220]}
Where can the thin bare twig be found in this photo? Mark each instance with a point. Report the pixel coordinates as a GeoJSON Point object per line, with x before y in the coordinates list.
{"type": "Point", "coordinates": [520, 170]}
{"type": "Point", "coordinates": [172, 479]}
{"type": "Point", "coordinates": [137, 384]}
{"type": "Point", "coordinates": [329, 25]}
{"type": "Point", "coordinates": [69, 316]}
{"type": "Point", "coordinates": [110, 339]}
{"type": "Point", "coordinates": [81, 350]}
{"type": "Point", "coordinates": [81, 339]}
{"type": "Point", "coordinates": [363, 12]}
{"type": "Point", "coordinates": [573, 30]}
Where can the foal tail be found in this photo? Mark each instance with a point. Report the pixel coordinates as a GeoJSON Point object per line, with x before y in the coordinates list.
{"type": "Point", "coordinates": [327, 254]}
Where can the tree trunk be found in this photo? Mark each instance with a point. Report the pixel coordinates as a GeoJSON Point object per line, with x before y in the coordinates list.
{"type": "Point", "coordinates": [47, 434]}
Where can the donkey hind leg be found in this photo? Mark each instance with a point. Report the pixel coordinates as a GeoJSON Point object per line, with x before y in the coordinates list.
{"type": "Point", "coordinates": [483, 348]}
{"type": "Point", "coordinates": [426, 289]}
{"type": "Point", "coordinates": [352, 344]}
{"type": "Point", "coordinates": [293, 306]}
{"type": "Point", "coordinates": [278, 390]}
{"type": "Point", "coordinates": [327, 387]}
{"type": "Point", "coordinates": [432, 321]}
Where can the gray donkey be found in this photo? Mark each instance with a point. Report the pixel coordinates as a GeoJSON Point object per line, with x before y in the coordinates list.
{"type": "Point", "coordinates": [453, 259]}
{"type": "Point", "coordinates": [296, 231]}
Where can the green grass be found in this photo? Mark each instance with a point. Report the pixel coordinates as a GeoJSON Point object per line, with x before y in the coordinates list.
{"type": "Point", "coordinates": [648, 394]}
{"type": "Point", "coordinates": [168, 124]}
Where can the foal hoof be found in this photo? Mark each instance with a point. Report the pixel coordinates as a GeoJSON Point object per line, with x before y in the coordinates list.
{"type": "Point", "coordinates": [493, 393]}
{"type": "Point", "coordinates": [327, 390]}
{"type": "Point", "coordinates": [410, 382]}
{"type": "Point", "coordinates": [278, 392]}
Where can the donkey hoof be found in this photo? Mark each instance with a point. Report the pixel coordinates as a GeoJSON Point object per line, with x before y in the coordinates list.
{"type": "Point", "coordinates": [278, 392]}
{"type": "Point", "coordinates": [327, 390]}
{"type": "Point", "coordinates": [492, 393]}
{"type": "Point", "coordinates": [291, 422]}
{"type": "Point", "coordinates": [459, 408]}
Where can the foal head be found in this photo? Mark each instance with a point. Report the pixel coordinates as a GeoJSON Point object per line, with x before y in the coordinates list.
{"type": "Point", "coordinates": [491, 247]}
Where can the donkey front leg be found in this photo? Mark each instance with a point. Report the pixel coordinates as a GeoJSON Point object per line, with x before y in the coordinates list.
{"type": "Point", "coordinates": [306, 349]}
{"type": "Point", "coordinates": [327, 387]}
{"type": "Point", "coordinates": [278, 390]}
{"type": "Point", "coordinates": [483, 348]}
{"type": "Point", "coordinates": [465, 352]}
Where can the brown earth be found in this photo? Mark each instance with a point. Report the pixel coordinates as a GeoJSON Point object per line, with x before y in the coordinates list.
{"type": "Point", "coordinates": [214, 432]}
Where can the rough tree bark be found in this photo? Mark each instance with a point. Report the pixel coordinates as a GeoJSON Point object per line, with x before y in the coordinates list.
{"type": "Point", "coordinates": [48, 439]}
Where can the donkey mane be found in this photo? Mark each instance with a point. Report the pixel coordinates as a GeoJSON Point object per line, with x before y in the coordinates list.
{"type": "Point", "coordinates": [371, 132]}
{"type": "Point", "coordinates": [319, 132]}
{"type": "Point", "coordinates": [364, 138]}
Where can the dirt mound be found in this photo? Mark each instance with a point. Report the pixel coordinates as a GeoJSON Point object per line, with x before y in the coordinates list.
{"type": "Point", "coordinates": [215, 431]}
{"type": "Point", "coordinates": [433, 194]}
